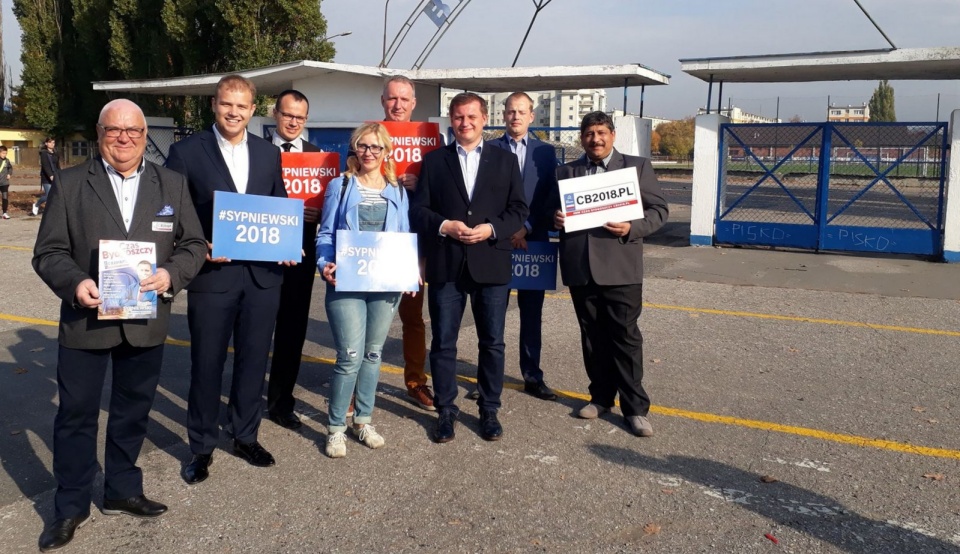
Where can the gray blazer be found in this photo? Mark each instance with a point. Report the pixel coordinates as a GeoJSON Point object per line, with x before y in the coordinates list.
{"type": "Point", "coordinates": [597, 254]}
{"type": "Point", "coordinates": [81, 211]}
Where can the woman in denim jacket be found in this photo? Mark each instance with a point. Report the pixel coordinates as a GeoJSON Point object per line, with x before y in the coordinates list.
{"type": "Point", "coordinates": [365, 198]}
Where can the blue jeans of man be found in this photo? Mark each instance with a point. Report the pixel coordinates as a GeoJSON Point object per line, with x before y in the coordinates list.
{"type": "Point", "coordinates": [359, 322]}
{"type": "Point", "coordinates": [446, 302]}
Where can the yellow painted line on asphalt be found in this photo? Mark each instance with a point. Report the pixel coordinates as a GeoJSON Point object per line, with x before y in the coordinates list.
{"type": "Point", "coordinates": [799, 319]}
{"type": "Point", "coordinates": [796, 319]}
{"type": "Point", "coordinates": [855, 440]}
{"type": "Point", "coordinates": [8, 247]}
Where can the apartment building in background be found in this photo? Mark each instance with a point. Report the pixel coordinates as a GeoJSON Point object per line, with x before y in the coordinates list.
{"type": "Point", "coordinates": [855, 114]}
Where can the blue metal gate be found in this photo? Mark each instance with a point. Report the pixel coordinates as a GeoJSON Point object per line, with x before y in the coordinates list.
{"type": "Point", "coordinates": [872, 187]}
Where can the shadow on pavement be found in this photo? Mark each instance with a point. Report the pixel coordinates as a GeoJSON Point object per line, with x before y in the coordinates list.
{"type": "Point", "coordinates": [802, 510]}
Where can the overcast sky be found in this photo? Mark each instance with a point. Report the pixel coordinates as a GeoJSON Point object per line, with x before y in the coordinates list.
{"type": "Point", "coordinates": [655, 33]}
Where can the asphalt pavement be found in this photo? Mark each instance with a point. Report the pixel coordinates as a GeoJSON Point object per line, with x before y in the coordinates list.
{"type": "Point", "coordinates": [803, 403]}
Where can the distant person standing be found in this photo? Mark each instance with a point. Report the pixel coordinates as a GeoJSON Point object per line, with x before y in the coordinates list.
{"type": "Point", "coordinates": [49, 171]}
{"type": "Point", "coordinates": [291, 112]}
{"type": "Point", "coordinates": [399, 98]}
{"type": "Point", "coordinates": [6, 170]}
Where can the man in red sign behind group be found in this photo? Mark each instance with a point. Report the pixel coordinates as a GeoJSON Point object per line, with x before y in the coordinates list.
{"type": "Point", "coordinates": [290, 112]}
{"type": "Point", "coordinates": [398, 100]}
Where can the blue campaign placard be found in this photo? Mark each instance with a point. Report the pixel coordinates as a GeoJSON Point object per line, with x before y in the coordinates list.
{"type": "Point", "coordinates": [257, 228]}
{"type": "Point", "coordinates": [377, 262]}
{"type": "Point", "coordinates": [536, 267]}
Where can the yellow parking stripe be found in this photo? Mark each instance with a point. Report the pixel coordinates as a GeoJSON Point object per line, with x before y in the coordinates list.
{"type": "Point", "coordinates": [6, 247]}
{"type": "Point", "coordinates": [855, 440]}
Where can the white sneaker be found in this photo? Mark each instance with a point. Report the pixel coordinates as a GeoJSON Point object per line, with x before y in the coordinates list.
{"type": "Point", "coordinates": [35, 209]}
{"type": "Point", "coordinates": [369, 436]}
{"type": "Point", "coordinates": [6, 215]}
{"type": "Point", "coordinates": [337, 445]}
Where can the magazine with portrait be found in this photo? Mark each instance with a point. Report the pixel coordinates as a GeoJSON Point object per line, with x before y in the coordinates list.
{"type": "Point", "coordinates": [123, 264]}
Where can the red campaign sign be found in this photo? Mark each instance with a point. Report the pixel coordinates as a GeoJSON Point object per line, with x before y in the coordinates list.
{"type": "Point", "coordinates": [306, 175]}
{"type": "Point", "coordinates": [411, 140]}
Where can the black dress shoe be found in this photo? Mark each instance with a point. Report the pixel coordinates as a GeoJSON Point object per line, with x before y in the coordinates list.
{"type": "Point", "coordinates": [446, 424]}
{"type": "Point", "coordinates": [539, 389]}
{"type": "Point", "coordinates": [289, 421]}
{"type": "Point", "coordinates": [197, 470]}
{"type": "Point", "coordinates": [253, 453]}
{"type": "Point", "coordinates": [490, 428]}
{"type": "Point", "coordinates": [138, 506]}
{"type": "Point", "coordinates": [60, 532]}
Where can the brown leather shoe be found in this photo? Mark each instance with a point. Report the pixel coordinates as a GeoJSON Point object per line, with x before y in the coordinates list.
{"type": "Point", "coordinates": [422, 396]}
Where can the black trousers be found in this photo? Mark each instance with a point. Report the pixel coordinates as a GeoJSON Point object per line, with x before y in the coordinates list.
{"type": "Point", "coordinates": [612, 344]}
{"type": "Point", "coordinates": [80, 378]}
{"type": "Point", "coordinates": [247, 313]}
{"type": "Point", "coordinates": [290, 334]}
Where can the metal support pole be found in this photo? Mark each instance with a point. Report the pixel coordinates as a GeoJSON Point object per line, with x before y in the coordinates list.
{"type": "Point", "coordinates": [709, 92]}
{"type": "Point", "coordinates": [624, 96]}
{"type": "Point", "coordinates": [938, 107]}
{"type": "Point", "coordinates": [720, 99]}
{"type": "Point", "coordinates": [643, 89]}
{"type": "Point", "coordinates": [892, 45]}
{"type": "Point", "coordinates": [383, 59]}
{"type": "Point", "coordinates": [777, 118]}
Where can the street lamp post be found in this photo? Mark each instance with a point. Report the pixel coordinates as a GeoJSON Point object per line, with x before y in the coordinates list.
{"type": "Point", "coordinates": [331, 37]}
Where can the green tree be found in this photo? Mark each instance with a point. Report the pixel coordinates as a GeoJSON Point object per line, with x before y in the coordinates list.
{"type": "Point", "coordinates": [41, 23]}
{"type": "Point", "coordinates": [67, 44]}
{"type": "Point", "coordinates": [676, 137]}
{"type": "Point", "coordinates": [881, 103]}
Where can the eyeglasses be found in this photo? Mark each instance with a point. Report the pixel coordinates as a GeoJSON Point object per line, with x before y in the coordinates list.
{"type": "Point", "coordinates": [374, 149]}
{"type": "Point", "coordinates": [114, 132]}
{"type": "Point", "coordinates": [290, 117]}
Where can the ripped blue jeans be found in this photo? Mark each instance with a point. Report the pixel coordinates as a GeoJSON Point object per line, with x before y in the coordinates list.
{"type": "Point", "coordinates": [359, 322]}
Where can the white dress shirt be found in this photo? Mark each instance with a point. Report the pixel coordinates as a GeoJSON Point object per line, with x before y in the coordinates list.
{"type": "Point", "coordinates": [237, 159]}
{"type": "Point", "coordinates": [519, 147]}
{"type": "Point", "coordinates": [125, 189]}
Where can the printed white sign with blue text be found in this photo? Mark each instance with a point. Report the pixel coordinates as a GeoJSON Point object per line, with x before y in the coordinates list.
{"type": "Point", "coordinates": [377, 262]}
{"type": "Point", "coordinates": [594, 200]}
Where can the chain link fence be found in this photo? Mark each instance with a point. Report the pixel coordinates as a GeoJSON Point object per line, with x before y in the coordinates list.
{"type": "Point", "coordinates": [159, 140]}
{"type": "Point", "coordinates": [876, 174]}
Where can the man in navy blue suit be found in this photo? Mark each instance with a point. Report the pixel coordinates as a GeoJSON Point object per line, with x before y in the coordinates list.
{"type": "Point", "coordinates": [538, 166]}
{"type": "Point", "coordinates": [467, 206]}
{"type": "Point", "coordinates": [229, 298]}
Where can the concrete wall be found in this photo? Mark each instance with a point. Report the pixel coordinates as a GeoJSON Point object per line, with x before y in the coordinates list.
{"type": "Point", "coordinates": [951, 222]}
{"type": "Point", "coordinates": [706, 163]}
{"type": "Point", "coordinates": [633, 135]}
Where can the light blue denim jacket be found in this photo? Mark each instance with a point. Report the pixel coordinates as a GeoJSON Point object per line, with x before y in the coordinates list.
{"type": "Point", "coordinates": [339, 215]}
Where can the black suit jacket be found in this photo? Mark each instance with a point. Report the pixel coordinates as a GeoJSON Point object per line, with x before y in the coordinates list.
{"type": "Point", "coordinates": [198, 158]}
{"type": "Point", "coordinates": [497, 199]}
{"type": "Point", "coordinates": [82, 210]}
{"type": "Point", "coordinates": [539, 180]}
{"type": "Point", "coordinates": [595, 253]}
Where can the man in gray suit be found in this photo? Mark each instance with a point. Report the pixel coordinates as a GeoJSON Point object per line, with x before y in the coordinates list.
{"type": "Point", "coordinates": [603, 267]}
{"type": "Point", "coordinates": [116, 196]}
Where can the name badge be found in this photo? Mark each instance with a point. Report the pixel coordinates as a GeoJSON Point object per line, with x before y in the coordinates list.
{"type": "Point", "coordinates": [163, 226]}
